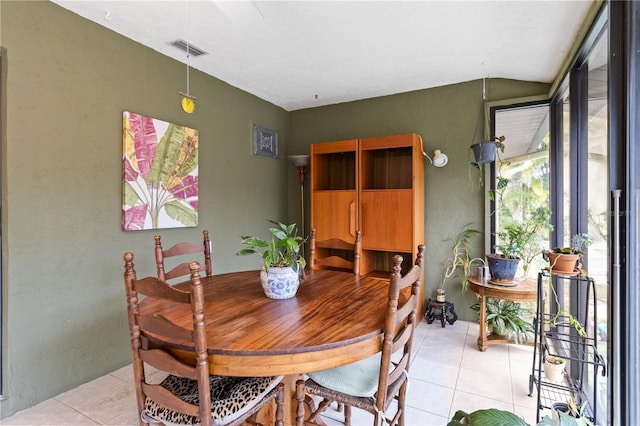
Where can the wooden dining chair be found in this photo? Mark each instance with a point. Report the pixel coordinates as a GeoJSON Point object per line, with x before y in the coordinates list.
{"type": "Point", "coordinates": [375, 382]}
{"type": "Point", "coordinates": [335, 253]}
{"type": "Point", "coordinates": [188, 394]}
{"type": "Point", "coordinates": [182, 249]}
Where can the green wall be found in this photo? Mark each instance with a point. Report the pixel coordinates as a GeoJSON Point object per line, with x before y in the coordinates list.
{"type": "Point", "coordinates": [67, 82]}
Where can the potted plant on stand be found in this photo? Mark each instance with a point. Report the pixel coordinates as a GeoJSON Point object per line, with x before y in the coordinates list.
{"type": "Point", "coordinates": [568, 260]}
{"type": "Point", "coordinates": [460, 259]}
{"type": "Point", "coordinates": [567, 413]}
{"type": "Point", "coordinates": [554, 368]}
{"type": "Point", "coordinates": [280, 260]}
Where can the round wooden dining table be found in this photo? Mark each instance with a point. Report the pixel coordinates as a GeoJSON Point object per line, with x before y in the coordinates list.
{"type": "Point", "coordinates": [336, 318]}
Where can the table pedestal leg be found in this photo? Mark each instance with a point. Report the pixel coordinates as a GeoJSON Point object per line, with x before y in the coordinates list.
{"type": "Point", "coordinates": [483, 342]}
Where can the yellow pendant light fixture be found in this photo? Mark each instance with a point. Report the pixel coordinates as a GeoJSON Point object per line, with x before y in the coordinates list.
{"type": "Point", "coordinates": [187, 102]}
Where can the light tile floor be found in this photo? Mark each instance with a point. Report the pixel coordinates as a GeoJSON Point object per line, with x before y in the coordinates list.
{"type": "Point", "coordinates": [448, 373]}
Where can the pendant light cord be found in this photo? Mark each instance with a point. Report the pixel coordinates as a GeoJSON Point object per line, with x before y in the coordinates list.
{"type": "Point", "coordinates": [484, 99]}
{"type": "Point", "coordinates": [188, 23]}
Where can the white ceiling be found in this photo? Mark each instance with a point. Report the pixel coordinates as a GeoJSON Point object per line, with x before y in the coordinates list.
{"type": "Point", "coordinates": [301, 54]}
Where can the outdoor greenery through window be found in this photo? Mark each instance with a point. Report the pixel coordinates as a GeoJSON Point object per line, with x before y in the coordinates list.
{"type": "Point", "coordinates": [522, 184]}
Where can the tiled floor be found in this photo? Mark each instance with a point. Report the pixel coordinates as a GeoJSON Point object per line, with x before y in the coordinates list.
{"type": "Point", "coordinates": [448, 373]}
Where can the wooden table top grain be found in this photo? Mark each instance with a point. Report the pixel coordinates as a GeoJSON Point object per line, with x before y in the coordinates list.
{"type": "Point", "coordinates": [336, 318]}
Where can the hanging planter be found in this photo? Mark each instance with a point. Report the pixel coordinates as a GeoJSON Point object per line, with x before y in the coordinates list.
{"type": "Point", "coordinates": [484, 152]}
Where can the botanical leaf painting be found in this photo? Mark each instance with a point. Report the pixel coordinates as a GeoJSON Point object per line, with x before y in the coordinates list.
{"type": "Point", "coordinates": [159, 174]}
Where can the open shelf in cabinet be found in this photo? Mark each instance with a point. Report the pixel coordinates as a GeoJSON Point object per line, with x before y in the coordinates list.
{"type": "Point", "coordinates": [390, 168]}
{"type": "Point", "coordinates": [380, 263]}
{"type": "Point", "coordinates": [338, 171]}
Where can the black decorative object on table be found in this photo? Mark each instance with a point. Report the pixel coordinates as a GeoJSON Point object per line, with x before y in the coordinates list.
{"type": "Point", "coordinates": [445, 311]}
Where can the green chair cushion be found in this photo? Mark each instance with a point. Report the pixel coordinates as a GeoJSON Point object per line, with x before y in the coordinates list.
{"type": "Point", "coordinates": [358, 379]}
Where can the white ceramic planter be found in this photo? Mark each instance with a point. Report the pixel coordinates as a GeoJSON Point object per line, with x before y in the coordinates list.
{"type": "Point", "coordinates": [554, 372]}
{"type": "Point", "coordinates": [280, 283]}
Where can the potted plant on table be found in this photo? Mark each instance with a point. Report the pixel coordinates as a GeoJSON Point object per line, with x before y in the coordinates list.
{"type": "Point", "coordinates": [568, 260]}
{"type": "Point", "coordinates": [521, 240]}
{"type": "Point", "coordinates": [281, 262]}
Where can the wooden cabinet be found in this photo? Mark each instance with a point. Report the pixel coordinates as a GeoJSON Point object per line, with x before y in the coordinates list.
{"type": "Point", "coordinates": [334, 195]}
{"type": "Point", "coordinates": [375, 185]}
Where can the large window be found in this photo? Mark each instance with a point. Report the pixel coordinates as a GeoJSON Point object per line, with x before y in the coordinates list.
{"type": "Point", "coordinates": [594, 188]}
{"type": "Point", "coordinates": [580, 195]}
{"type": "Point", "coordinates": [522, 172]}
{"type": "Point", "coordinates": [557, 157]}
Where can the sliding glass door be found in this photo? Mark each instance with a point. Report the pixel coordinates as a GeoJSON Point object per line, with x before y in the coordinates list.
{"type": "Point", "coordinates": [581, 196]}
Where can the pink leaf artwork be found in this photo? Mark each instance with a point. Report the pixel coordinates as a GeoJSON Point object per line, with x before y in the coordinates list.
{"type": "Point", "coordinates": [159, 172]}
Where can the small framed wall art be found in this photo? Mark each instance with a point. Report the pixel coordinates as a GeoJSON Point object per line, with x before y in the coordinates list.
{"type": "Point", "coordinates": [265, 141]}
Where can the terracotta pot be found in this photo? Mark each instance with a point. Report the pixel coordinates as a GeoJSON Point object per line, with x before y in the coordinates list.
{"type": "Point", "coordinates": [280, 283]}
{"type": "Point", "coordinates": [502, 269]}
{"type": "Point", "coordinates": [563, 263]}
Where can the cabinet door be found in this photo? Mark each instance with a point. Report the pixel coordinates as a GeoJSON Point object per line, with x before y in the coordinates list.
{"type": "Point", "coordinates": [386, 220]}
{"type": "Point", "coordinates": [334, 214]}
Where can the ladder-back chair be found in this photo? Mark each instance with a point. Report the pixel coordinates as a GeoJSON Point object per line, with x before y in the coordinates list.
{"type": "Point", "coordinates": [375, 382]}
{"type": "Point", "coordinates": [335, 253]}
{"type": "Point", "coordinates": [188, 394]}
{"type": "Point", "coordinates": [182, 249]}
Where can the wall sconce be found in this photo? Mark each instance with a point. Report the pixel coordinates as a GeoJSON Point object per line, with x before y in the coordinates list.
{"type": "Point", "coordinates": [439, 159]}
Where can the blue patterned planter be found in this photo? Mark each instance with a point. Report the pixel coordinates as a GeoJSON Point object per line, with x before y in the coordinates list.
{"type": "Point", "coordinates": [501, 269]}
{"type": "Point", "coordinates": [280, 283]}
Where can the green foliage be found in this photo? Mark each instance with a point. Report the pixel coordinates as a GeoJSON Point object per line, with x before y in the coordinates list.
{"type": "Point", "coordinates": [281, 251]}
{"type": "Point", "coordinates": [575, 416]}
{"type": "Point", "coordinates": [460, 257]}
{"type": "Point", "coordinates": [563, 318]}
{"type": "Point", "coordinates": [489, 417]}
{"type": "Point", "coordinates": [578, 244]}
{"type": "Point", "coordinates": [523, 239]}
{"type": "Point", "coordinates": [504, 317]}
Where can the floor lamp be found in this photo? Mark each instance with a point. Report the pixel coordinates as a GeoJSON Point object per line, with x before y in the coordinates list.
{"type": "Point", "coordinates": [301, 162]}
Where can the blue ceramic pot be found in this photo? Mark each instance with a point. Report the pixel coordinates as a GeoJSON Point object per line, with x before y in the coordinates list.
{"type": "Point", "coordinates": [502, 269]}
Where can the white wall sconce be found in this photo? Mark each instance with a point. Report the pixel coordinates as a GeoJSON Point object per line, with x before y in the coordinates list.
{"type": "Point", "coordinates": [439, 159]}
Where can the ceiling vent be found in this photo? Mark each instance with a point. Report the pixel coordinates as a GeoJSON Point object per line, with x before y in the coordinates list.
{"type": "Point", "coordinates": [193, 50]}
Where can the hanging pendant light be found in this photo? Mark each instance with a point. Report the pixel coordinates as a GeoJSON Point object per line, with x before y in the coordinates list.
{"type": "Point", "coordinates": [187, 102]}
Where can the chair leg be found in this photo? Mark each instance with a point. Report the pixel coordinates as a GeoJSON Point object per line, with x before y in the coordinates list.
{"type": "Point", "coordinates": [347, 415]}
{"type": "Point", "coordinates": [279, 421]}
{"type": "Point", "coordinates": [300, 398]}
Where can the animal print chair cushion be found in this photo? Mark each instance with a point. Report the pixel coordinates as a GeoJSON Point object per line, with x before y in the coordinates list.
{"type": "Point", "coordinates": [231, 397]}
